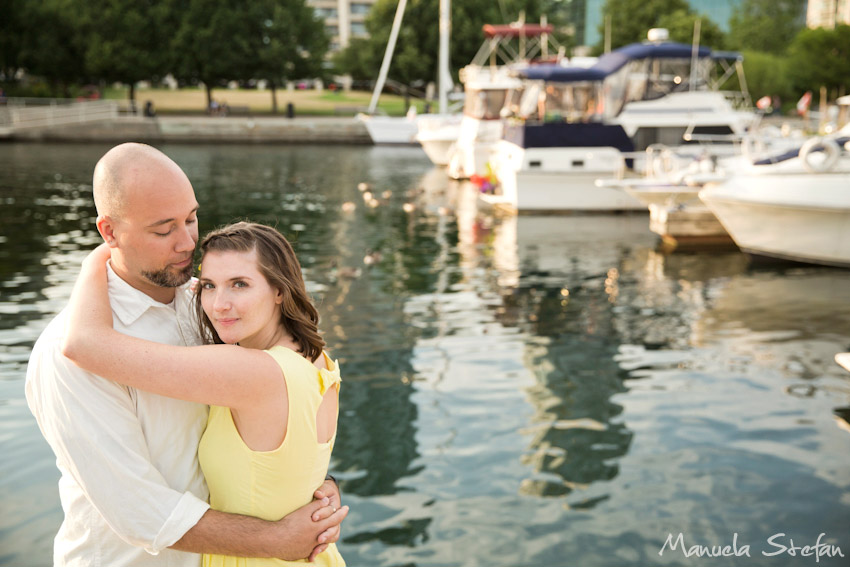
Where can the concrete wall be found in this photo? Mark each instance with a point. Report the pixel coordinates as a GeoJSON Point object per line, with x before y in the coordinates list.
{"type": "Point", "coordinates": [319, 130]}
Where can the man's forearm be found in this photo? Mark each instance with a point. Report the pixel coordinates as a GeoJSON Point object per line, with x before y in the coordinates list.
{"type": "Point", "coordinates": [294, 537]}
{"type": "Point", "coordinates": [219, 533]}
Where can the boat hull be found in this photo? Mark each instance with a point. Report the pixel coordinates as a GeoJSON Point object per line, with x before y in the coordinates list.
{"type": "Point", "coordinates": [804, 218]}
{"type": "Point", "coordinates": [561, 179]}
{"type": "Point", "coordinates": [390, 129]}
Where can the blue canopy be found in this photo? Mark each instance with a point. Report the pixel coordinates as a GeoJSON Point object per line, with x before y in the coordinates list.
{"type": "Point", "coordinates": [611, 62]}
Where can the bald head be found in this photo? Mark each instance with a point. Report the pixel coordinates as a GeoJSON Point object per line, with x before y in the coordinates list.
{"type": "Point", "coordinates": [123, 170]}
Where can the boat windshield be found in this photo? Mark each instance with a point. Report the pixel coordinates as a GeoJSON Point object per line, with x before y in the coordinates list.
{"type": "Point", "coordinates": [484, 104]}
{"type": "Point", "coordinates": [649, 79]}
{"type": "Point", "coordinates": [538, 101]}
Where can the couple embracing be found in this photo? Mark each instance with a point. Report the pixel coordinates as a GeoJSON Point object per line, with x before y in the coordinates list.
{"type": "Point", "coordinates": [187, 418]}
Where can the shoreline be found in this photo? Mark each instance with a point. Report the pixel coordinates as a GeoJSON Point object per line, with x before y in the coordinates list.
{"type": "Point", "coordinates": [203, 129]}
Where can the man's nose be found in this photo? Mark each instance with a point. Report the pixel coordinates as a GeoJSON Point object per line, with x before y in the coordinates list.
{"type": "Point", "coordinates": [186, 240]}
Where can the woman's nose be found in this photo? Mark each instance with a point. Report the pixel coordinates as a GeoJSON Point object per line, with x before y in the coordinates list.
{"type": "Point", "coordinates": [221, 303]}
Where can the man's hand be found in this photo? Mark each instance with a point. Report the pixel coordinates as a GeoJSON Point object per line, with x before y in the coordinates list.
{"type": "Point", "coordinates": [306, 532]}
{"type": "Point", "coordinates": [333, 511]}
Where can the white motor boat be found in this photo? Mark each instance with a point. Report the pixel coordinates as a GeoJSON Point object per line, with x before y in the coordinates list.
{"type": "Point", "coordinates": [437, 134]}
{"type": "Point", "coordinates": [486, 82]}
{"type": "Point", "coordinates": [570, 126]}
{"type": "Point", "coordinates": [794, 207]}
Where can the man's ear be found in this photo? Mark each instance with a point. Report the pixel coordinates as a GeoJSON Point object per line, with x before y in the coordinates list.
{"type": "Point", "coordinates": [106, 228]}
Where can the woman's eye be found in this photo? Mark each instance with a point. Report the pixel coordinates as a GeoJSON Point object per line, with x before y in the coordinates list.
{"type": "Point", "coordinates": [207, 285]}
{"type": "Point", "coordinates": [240, 284]}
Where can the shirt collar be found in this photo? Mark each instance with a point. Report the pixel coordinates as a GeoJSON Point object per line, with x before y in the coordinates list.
{"type": "Point", "coordinates": [128, 303]}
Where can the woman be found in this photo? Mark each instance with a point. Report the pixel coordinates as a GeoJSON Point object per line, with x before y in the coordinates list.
{"type": "Point", "coordinates": [274, 397]}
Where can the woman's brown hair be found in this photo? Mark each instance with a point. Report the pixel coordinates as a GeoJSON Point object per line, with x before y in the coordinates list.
{"type": "Point", "coordinates": [277, 262]}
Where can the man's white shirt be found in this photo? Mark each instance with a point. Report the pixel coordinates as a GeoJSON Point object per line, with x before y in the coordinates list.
{"type": "Point", "coordinates": [131, 485]}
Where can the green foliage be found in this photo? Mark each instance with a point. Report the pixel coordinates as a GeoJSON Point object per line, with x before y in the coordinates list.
{"type": "Point", "coordinates": [680, 24]}
{"type": "Point", "coordinates": [766, 25]}
{"type": "Point", "coordinates": [11, 36]}
{"type": "Point", "coordinates": [124, 39]}
{"type": "Point", "coordinates": [416, 53]}
{"type": "Point", "coordinates": [632, 19]}
{"type": "Point", "coordinates": [287, 39]}
{"type": "Point", "coordinates": [820, 57]}
{"type": "Point", "coordinates": [52, 44]}
{"type": "Point", "coordinates": [358, 60]}
{"type": "Point", "coordinates": [767, 74]}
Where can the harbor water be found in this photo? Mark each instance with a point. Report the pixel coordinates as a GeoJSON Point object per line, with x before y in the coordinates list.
{"type": "Point", "coordinates": [517, 391]}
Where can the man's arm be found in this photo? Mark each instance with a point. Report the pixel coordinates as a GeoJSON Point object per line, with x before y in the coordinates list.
{"type": "Point", "coordinates": [296, 536]}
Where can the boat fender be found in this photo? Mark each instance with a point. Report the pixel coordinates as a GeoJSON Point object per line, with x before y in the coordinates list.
{"type": "Point", "coordinates": [830, 150]}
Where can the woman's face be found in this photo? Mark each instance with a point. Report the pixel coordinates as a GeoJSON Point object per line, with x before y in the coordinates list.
{"type": "Point", "coordinates": [238, 299]}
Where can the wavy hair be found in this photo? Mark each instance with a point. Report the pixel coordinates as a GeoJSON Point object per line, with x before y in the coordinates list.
{"type": "Point", "coordinates": [277, 262]}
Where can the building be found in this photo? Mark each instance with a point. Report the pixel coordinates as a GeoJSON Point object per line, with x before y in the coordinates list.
{"type": "Point", "coordinates": [827, 13]}
{"type": "Point", "coordinates": [344, 19]}
{"type": "Point", "coordinates": [586, 16]}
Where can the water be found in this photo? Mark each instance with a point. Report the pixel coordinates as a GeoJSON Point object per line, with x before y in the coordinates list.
{"type": "Point", "coordinates": [517, 392]}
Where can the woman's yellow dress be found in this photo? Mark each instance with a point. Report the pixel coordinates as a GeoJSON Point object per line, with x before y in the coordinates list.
{"type": "Point", "coordinates": [271, 484]}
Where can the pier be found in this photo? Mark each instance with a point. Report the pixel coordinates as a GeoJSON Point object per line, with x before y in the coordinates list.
{"type": "Point", "coordinates": [101, 121]}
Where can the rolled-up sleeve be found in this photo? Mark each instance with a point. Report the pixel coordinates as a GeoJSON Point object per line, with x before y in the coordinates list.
{"type": "Point", "coordinates": [92, 427]}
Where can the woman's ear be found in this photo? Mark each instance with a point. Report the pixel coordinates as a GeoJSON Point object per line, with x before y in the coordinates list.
{"type": "Point", "coordinates": [278, 298]}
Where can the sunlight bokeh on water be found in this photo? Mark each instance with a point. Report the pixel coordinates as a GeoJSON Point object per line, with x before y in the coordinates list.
{"type": "Point", "coordinates": [518, 391]}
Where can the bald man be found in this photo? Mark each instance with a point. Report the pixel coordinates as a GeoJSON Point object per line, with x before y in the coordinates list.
{"type": "Point", "coordinates": [131, 487]}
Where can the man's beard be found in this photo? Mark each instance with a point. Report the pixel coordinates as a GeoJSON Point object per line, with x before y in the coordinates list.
{"type": "Point", "coordinates": [165, 278]}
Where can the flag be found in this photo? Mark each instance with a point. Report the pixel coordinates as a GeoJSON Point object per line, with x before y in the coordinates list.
{"type": "Point", "coordinates": [763, 103]}
{"type": "Point", "coordinates": [804, 102]}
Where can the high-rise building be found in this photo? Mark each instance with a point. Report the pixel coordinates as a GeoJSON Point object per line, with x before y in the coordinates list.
{"type": "Point", "coordinates": [827, 13]}
{"type": "Point", "coordinates": [344, 19]}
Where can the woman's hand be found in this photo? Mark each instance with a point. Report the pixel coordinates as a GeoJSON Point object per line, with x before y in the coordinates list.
{"type": "Point", "coordinates": [98, 256]}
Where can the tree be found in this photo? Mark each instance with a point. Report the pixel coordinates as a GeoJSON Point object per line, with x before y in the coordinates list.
{"type": "Point", "coordinates": [767, 74]}
{"type": "Point", "coordinates": [680, 24]}
{"type": "Point", "coordinates": [125, 39]}
{"type": "Point", "coordinates": [632, 19]}
{"type": "Point", "coordinates": [52, 45]}
{"type": "Point", "coordinates": [11, 36]}
{"type": "Point", "coordinates": [213, 43]}
{"type": "Point", "coordinates": [820, 57]}
{"type": "Point", "coordinates": [289, 42]}
{"type": "Point", "coordinates": [766, 25]}
{"type": "Point", "coordinates": [358, 60]}
{"type": "Point", "coordinates": [416, 53]}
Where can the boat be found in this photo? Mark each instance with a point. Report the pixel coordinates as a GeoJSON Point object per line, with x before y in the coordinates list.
{"type": "Point", "coordinates": [403, 130]}
{"type": "Point", "coordinates": [569, 125]}
{"type": "Point", "coordinates": [486, 82]}
{"type": "Point", "coordinates": [794, 206]}
{"type": "Point", "coordinates": [437, 135]}
{"type": "Point", "coordinates": [391, 129]}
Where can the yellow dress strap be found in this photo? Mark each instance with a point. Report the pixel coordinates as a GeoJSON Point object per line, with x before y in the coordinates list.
{"type": "Point", "coordinates": [328, 376]}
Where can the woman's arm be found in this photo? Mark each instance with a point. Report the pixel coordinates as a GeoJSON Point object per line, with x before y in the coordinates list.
{"type": "Point", "coordinates": [223, 375]}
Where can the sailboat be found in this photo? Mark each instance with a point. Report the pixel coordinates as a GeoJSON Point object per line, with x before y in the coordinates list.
{"type": "Point", "coordinates": [403, 129]}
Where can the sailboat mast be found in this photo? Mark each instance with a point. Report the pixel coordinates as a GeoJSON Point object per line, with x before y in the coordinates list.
{"type": "Point", "coordinates": [444, 79]}
{"type": "Point", "coordinates": [388, 56]}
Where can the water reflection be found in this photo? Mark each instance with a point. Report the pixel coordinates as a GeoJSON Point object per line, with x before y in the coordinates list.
{"type": "Point", "coordinates": [518, 390]}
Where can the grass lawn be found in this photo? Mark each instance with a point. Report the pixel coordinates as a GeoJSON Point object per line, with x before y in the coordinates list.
{"type": "Point", "coordinates": [307, 102]}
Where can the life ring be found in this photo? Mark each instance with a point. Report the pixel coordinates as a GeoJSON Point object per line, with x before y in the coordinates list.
{"type": "Point", "coordinates": [831, 152]}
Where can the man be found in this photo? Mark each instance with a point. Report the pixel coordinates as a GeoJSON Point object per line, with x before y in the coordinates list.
{"type": "Point", "coordinates": [131, 487]}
